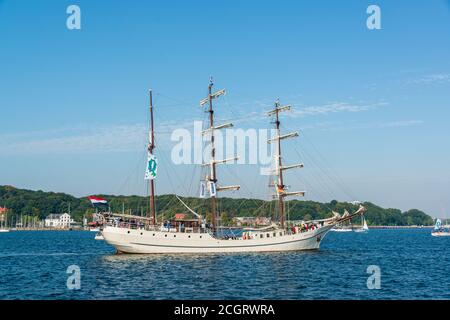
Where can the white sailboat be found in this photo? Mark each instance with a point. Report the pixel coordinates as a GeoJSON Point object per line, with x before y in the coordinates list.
{"type": "Point", "coordinates": [364, 227]}
{"type": "Point", "coordinates": [144, 235]}
{"type": "Point", "coordinates": [439, 230]}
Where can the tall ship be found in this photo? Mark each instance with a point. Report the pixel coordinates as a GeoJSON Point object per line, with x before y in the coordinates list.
{"type": "Point", "coordinates": [146, 235]}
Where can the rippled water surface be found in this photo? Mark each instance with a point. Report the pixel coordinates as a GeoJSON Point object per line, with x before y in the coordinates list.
{"type": "Point", "coordinates": [413, 265]}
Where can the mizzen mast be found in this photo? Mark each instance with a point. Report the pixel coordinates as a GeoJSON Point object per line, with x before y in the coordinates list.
{"type": "Point", "coordinates": [281, 188]}
{"type": "Point", "coordinates": [212, 177]}
{"type": "Point", "coordinates": [151, 147]}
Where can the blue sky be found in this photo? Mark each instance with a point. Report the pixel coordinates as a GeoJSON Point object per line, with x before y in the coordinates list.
{"type": "Point", "coordinates": [372, 105]}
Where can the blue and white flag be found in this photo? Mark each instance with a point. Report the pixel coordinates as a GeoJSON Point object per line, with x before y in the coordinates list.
{"type": "Point", "coordinates": [202, 189]}
{"type": "Point", "coordinates": [212, 189]}
{"type": "Point", "coordinates": [152, 167]}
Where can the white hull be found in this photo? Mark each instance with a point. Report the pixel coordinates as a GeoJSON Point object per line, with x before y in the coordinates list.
{"type": "Point", "coordinates": [148, 242]}
{"type": "Point", "coordinates": [440, 234]}
{"type": "Point", "coordinates": [4, 230]}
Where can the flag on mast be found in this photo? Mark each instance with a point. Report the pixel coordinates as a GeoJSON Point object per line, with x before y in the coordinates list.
{"type": "Point", "coordinates": [97, 201]}
{"type": "Point", "coordinates": [212, 189]}
{"type": "Point", "coordinates": [152, 167]}
{"type": "Point", "coordinates": [202, 189]}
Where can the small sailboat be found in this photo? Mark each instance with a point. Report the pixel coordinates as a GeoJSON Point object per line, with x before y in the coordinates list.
{"type": "Point", "coordinates": [4, 222]}
{"type": "Point", "coordinates": [364, 227]}
{"type": "Point", "coordinates": [439, 230]}
{"type": "Point", "coordinates": [137, 234]}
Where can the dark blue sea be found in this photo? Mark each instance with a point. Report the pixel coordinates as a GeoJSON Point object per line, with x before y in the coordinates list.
{"type": "Point", "coordinates": [412, 265]}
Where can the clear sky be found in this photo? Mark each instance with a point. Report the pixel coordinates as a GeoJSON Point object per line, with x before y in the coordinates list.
{"type": "Point", "coordinates": [372, 106]}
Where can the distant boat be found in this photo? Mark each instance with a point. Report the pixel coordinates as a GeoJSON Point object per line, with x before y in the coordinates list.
{"type": "Point", "coordinates": [343, 229]}
{"type": "Point", "coordinates": [4, 223]}
{"type": "Point", "coordinates": [99, 236]}
{"type": "Point", "coordinates": [94, 229]}
{"type": "Point", "coordinates": [364, 228]}
{"type": "Point", "coordinates": [439, 230]}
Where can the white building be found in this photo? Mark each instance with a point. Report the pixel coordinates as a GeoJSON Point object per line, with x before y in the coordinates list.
{"type": "Point", "coordinates": [59, 221]}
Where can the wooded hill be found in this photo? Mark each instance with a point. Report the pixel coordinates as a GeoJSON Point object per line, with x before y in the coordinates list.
{"type": "Point", "coordinates": [40, 204]}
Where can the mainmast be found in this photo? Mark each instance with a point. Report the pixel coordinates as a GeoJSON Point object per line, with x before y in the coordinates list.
{"type": "Point", "coordinates": [281, 188]}
{"type": "Point", "coordinates": [151, 147]}
{"type": "Point", "coordinates": [212, 177]}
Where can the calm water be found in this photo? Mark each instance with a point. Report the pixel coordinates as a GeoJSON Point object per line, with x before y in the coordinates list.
{"type": "Point", "coordinates": [413, 265]}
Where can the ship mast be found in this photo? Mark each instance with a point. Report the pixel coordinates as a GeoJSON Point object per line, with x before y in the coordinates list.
{"type": "Point", "coordinates": [281, 192]}
{"type": "Point", "coordinates": [151, 147]}
{"type": "Point", "coordinates": [212, 177]}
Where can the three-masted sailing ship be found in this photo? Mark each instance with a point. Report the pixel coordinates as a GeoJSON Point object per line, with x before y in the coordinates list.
{"type": "Point", "coordinates": [136, 234]}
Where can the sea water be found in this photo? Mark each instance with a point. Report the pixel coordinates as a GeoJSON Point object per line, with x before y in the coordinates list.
{"type": "Point", "coordinates": [412, 265]}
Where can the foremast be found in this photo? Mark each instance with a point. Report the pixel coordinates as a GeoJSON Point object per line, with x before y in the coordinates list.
{"type": "Point", "coordinates": [280, 187]}
{"type": "Point", "coordinates": [211, 178]}
{"type": "Point", "coordinates": [151, 148]}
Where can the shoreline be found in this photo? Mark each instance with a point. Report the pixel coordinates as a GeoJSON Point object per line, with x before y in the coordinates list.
{"type": "Point", "coordinates": [81, 229]}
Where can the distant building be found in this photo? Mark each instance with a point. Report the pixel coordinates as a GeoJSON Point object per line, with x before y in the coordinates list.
{"type": "Point", "coordinates": [58, 221]}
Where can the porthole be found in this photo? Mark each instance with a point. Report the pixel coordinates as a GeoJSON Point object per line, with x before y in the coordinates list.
{"type": "Point", "coordinates": [128, 231]}
{"type": "Point", "coordinates": [174, 235]}
{"type": "Point", "coordinates": [165, 235]}
{"type": "Point", "coordinates": [153, 234]}
{"type": "Point", "coordinates": [142, 234]}
{"type": "Point", "coordinates": [200, 237]}
{"type": "Point", "coordinates": [268, 235]}
{"type": "Point", "coordinates": [189, 236]}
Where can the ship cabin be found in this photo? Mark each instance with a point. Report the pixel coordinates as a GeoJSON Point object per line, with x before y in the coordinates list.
{"type": "Point", "coordinates": [181, 223]}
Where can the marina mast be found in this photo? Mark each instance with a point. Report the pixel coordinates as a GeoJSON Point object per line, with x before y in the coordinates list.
{"type": "Point", "coordinates": [151, 147]}
{"type": "Point", "coordinates": [281, 188]}
{"type": "Point", "coordinates": [212, 177]}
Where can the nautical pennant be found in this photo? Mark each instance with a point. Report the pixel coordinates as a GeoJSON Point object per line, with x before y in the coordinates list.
{"type": "Point", "coordinates": [202, 189]}
{"type": "Point", "coordinates": [212, 189]}
{"type": "Point", "coordinates": [152, 167]}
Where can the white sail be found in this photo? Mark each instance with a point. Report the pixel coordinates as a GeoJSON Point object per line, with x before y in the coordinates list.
{"type": "Point", "coordinates": [365, 227]}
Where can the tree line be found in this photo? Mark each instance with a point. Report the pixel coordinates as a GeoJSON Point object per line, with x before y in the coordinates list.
{"type": "Point", "coordinates": [40, 204]}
